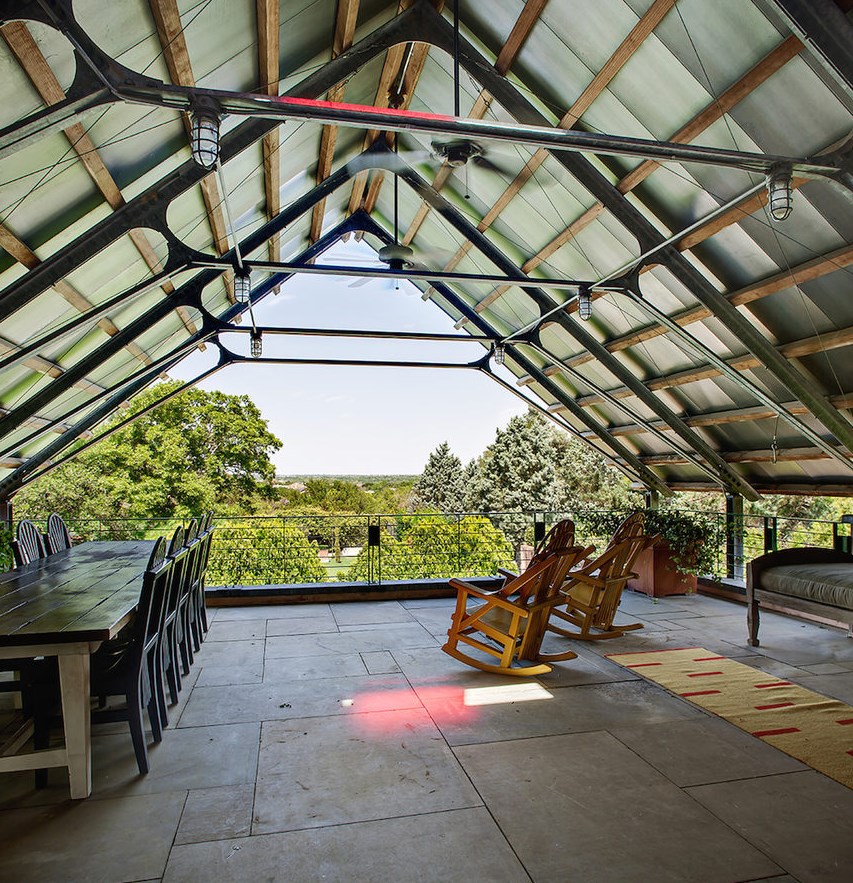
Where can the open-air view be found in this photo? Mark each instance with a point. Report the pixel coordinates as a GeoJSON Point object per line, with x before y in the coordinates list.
{"type": "Point", "coordinates": [426, 441]}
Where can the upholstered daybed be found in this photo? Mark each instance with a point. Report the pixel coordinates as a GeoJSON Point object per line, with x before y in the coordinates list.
{"type": "Point", "coordinates": [808, 580]}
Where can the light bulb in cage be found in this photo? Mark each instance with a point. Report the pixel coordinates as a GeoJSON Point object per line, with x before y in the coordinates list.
{"type": "Point", "coordinates": [204, 136]}
{"type": "Point", "coordinates": [780, 192]}
{"type": "Point", "coordinates": [242, 286]}
{"type": "Point", "coordinates": [500, 353]}
{"type": "Point", "coordinates": [256, 344]}
{"type": "Point", "coordinates": [585, 303]}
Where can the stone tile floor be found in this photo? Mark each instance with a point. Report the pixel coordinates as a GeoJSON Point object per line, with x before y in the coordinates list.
{"type": "Point", "coordinates": [337, 742]}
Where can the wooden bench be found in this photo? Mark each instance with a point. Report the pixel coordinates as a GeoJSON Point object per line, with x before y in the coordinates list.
{"type": "Point", "coordinates": [808, 580]}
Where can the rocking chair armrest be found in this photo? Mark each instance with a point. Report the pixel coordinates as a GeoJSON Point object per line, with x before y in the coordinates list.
{"type": "Point", "coordinates": [493, 597]}
{"type": "Point", "coordinates": [587, 578]}
{"type": "Point", "coordinates": [507, 574]}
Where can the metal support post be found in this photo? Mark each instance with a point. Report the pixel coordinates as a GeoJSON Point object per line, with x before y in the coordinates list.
{"type": "Point", "coordinates": [734, 537]}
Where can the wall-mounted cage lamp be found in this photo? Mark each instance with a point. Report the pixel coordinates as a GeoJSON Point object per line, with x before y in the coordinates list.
{"type": "Point", "coordinates": [500, 353]}
{"type": "Point", "coordinates": [242, 286]}
{"type": "Point", "coordinates": [780, 192]}
{"type": "Point", "coordinates": [584, 303]}
{"type": "Point", "coordinates": [256, 343]}
{"type": "Point", "coordinates": [204, 135]}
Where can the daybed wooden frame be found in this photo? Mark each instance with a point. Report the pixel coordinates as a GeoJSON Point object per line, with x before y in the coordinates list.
{"type": "Point", "coordinates": [756, 593]}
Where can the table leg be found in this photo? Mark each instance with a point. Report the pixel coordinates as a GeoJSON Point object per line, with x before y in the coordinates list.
{"type": "Point", "coordinates": [74, 684]}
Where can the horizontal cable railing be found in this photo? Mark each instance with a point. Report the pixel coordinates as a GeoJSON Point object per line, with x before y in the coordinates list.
{"type": "Point", "coordinates": [281, 550]}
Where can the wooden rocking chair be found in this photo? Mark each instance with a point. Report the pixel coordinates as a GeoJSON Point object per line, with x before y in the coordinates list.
{"type": "Point", "coordinates": [592, 593]}
{"type": "Point", "coordinates": [510, 622]}
{"type": "Point", "coordinates": [560, 537]}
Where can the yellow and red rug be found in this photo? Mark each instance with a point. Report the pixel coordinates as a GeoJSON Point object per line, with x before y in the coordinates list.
{"type": "Point", "coordinates": [810, 727]}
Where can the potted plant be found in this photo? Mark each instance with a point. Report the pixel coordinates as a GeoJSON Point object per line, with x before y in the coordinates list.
{"type": "Point", "coordinates": [688, 548]}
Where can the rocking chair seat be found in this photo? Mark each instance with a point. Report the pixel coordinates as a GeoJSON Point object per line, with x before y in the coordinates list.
{"type": "Point", "coordinates": [509, 623]}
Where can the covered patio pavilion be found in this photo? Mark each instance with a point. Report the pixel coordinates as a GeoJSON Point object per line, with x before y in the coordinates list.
{"type": "Point", "coordinates": [644, 212]}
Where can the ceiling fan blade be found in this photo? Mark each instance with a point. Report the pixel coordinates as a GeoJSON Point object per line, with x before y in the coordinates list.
{"type": "Point", "coordinates": [359, 283]}
{"type": "Point", "coordinates": [483, 162]}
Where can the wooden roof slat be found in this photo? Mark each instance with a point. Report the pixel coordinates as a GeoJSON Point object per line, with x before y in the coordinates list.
{"type": "Point", "coordinates": [345, 22]}
{"type": "Point", "coordinates": [268, 15]}
{"type": "Point", "coordinates": [38, 70]}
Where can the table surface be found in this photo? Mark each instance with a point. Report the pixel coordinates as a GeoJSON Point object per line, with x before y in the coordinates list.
{"type": "Point", "coordinates": [86, 593]}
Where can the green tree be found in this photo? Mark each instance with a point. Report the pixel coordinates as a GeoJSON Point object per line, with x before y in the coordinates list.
{"type": "Point", "coordinates": [197, 450]}
{"type": "Point", "coordinates": [262, 551]}
{"type": "Point", "coordinates": [442, 483]}
{"type": "Point", "coordinates": [434, 547]}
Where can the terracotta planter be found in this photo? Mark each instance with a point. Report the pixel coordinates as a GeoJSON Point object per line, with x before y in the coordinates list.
{"type": "Point", "coordinates": [657, 576]}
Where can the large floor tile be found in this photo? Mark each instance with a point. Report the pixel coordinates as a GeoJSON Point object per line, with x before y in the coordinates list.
{"type": "Point", "coordinates": [109, 841]}
{"type": "Point", "coordinates": [362, 612]}
{"type": "Point", "coordinates": [271, 611]}
{"type": "Point", "coordinates": [803, 821]}
{"type": "Point", "coordinates": [443, 847]}
{"type": "Point", "coordinates": [395, 636]}
{"type": "Point", "coordinates": [217, 814]}
{"type": "Point", "coordinates": [839, 685]}
{"type": "Point", "coordinates": [303, 625]}
{"type": "Point", "coordinates": [224, 675]}
{"type": "Point", "coordinates": [188, 758]}
{"type": "Point", "coordinates": [235, 653]}
{"type": "Point", "coordinates": [704, 750]}
{"type": "Point", "coordinates": [289, 668]}
{"type": "Point", "coordinates": [327, 771]}
{"type": "Point", "coordinates": [237, 630]}
{"type": "Point", "coordinates": [525, 708]}
{"type": "Point", "coordinates": [595, 811]}
{"type": "Point", "coordinates": [280, 700]}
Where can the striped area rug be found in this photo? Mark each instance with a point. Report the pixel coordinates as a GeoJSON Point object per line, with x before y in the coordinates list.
{"type": "Point", "coordinates": [810, 727]}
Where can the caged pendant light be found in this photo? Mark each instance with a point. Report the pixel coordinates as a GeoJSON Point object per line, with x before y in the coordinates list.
{"type": "Point", "coordinates": [256, 343]}
{"type": "Point", "coordinates": [584, 303]}
{"type": "Point", "coordinates": [242, 286]}
{"type": "Point", "coordinates": [500, 353]}
{"type": "Point", "coordinates": [780, 192]}
{"type": "Point", "coordinates": [204, 135]}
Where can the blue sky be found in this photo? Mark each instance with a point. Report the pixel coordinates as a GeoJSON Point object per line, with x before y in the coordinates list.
{"type": "Point", "coordinates": [354, 420]}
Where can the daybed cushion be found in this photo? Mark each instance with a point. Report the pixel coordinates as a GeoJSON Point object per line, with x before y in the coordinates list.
{"type": "Point", "coordinates": [830, 584]}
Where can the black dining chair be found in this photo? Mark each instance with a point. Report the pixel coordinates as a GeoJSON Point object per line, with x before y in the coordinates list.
{"type": "Point", "coordinates": [186, 603]}
{"type": "Point", "coordinates": [128, 667]}
{"type": "Point", "coordinates": [57, 537]}
{"type": "Point", "coordinates": [172, 633]}
{"type": "Point", "coordinates": [206, 538]}
{"type": "Point", "coordinates": [28, 544]}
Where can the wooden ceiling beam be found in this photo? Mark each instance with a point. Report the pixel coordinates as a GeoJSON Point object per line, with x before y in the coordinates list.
{"type": "Point", "coordinates": [176, 55]}
{"type": "Point", "coordinates": [791, 455]}
{"type": "Point", "coordinates": [38, 70]}
{"type": "Point", "coordinates": [268, 16]}
{"type": "Point", "coordinates": [805, 272]}
{"type": "Point", "coordinates": [524, 24]}
{"type": "Point", "coordinates": [345, 22]}
{"type": "Point", "coordinates": [745, 85]}
{"type": "Point", "coordinates": [361, 195]}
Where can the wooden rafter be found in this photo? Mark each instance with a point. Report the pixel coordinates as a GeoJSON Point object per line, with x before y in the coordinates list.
{"type": "Point", "coordinates": [345, 22]}
{"type": "Point", "coordinates": [268, 16]}
{"type": "Point", "coordinates": [715, 110]}
{"type": "Point", "coordinates": [795, 349]}
{"type": "Point", "coordinates": [38, 70]}
{"type": "Point", "coordinates": [506, 57]}
{"type": "Point", "coordinates": [177, 58]}
{"type": "Point", "coordinates": [805, 272]}
{"type": "Point", "coordinates": [395, 57]}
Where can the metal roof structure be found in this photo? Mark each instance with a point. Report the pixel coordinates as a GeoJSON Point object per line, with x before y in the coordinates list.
{"type": "Point", "coordinates": [611, 157]}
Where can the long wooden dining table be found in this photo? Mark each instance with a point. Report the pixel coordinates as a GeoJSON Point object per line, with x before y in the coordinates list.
{"type": "Point", "coordinates": [67, 605]}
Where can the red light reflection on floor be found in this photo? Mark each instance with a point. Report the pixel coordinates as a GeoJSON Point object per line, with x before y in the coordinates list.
{"type": "Point", "coordinates": [375, 712]}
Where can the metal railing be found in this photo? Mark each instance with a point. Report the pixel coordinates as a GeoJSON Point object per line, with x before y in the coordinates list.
{"type": "Point", "coordinates": [275, 550]}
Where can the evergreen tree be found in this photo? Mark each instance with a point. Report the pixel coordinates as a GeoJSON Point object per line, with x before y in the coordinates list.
{"type": "Point", "coordinates": [441, 485]}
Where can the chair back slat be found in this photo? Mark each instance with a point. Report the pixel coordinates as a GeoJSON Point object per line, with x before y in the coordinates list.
{"type": "Point", "coordinates": [29, 544]}
{"type": "Point", "coordinates": [57, 536]}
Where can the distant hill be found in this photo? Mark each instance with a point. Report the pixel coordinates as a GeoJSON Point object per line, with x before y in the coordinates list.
{"type": "Point", "coordinates": [355, 479]}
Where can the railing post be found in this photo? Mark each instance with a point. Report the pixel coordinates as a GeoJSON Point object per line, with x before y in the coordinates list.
{"type": "Point", "coordinates": [771, 534]}
{"type": "Point", "coordinates": [734, 536]}
{"type": "Point", "coordinates": [373, 543]}
{"type": "Point", "coordinates": [538, 529]}
{"type": "Point", "coordinates": [652, 499]}
{"type": "Point", "coordinates": [843, 542]}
